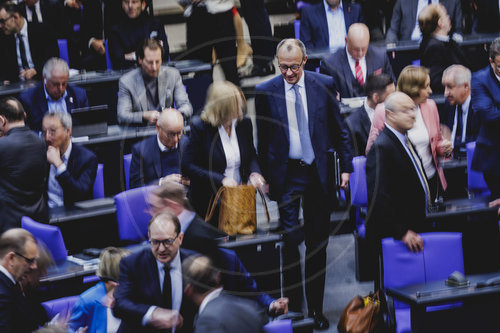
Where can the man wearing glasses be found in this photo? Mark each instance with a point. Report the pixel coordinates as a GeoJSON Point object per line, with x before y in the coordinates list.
{"type": "Point", "coordinates": [157, 159]}
{"type": "Point", "coordinates": [298, 127]}
{"type": "Point", "coordinates": [18, 253]}
{"type": "Point", "coordinates": [149, 295]}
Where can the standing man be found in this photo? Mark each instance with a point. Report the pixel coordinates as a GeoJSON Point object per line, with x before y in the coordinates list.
{"type": "Point", "coordinates": [298, 125]}
{"type": "Point", "coordinates": [18, 254]}
{"type": "Point", "coordinates": [53, 94]}
{"type": "Point", "coordinates": [149, 295]}
{"type": "Point", "coordinates": [72, 167]}
{"type": "Point", "coordinates": [486, 103]}
{"type": "Point", "coordinates": [157, 158]}
{"type": "Point", "coordinates": [350, 66]}
{"type": "Point", "coordinates": [23, 168]}
{"type": "Point", "coordinates": [144, 92]}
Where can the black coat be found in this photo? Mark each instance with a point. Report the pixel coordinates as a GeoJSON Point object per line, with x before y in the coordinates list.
{"type": "Point", "coordinates": [359, 125]}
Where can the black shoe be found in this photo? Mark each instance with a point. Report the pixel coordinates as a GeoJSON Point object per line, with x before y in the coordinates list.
{"type": "Point", "coordinates": [320, 321]}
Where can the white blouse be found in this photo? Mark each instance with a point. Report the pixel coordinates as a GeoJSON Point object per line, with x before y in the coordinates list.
{"type": "Point", "coordinates": [419, 136]}
{"type": "Point", "coordinates": [232, 152]}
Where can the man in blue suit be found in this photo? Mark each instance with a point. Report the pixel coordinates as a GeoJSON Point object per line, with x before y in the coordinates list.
{"type": "Point", "coordinates": [53, 94]}
{"type": "Point", "coordinates": [72, 167]}
{"type": "Point", "coordinates": [298, 126]}
{"type": "Point", "coordinates": [326, 24]}
{"type": "Point", "coordinates": [486, 103]}
{"type": "Point", "coordinates": [157, 158]}
{"type": "Point", "coordinates": [349, 66]}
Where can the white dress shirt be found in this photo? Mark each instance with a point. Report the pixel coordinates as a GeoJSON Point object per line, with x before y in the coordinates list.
{"type": "Point", "coordinates": [24, 33]}
{"type": "Point", "coordinates": [295, 151]}
{"type": "Point", "coordinates": [336, 25]}
{"type": "Point", "coordinates": [232, 151]}
{"type": "Point", "coordinates": [419, 136]}
{"type": "Point", "coordinates": [56, 105]}
{"type": "Point", "coordinates": [465, 112]}
{"type": "Point", "coordinates": [369, 111]}
{"type": "Point", "coordinates": [55, 191]}
{"type": "Point", "coordinates": [352, 64]}
{"type": "Point", "coordinates": [185, 218]}
{"type": "Point", "coordinates": [29, 13]}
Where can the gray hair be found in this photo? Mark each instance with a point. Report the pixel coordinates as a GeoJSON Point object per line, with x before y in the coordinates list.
{"type": "Point", "coordinates": [52, 64]}
{"type": "Point", "coordinates": [461, 74]}
{"type": "Point", "coordinates": [495, 48]}
{"type": "Point", "coordinates": [289, 43]}
{"type": "Point", "coordinates": [63, 116]}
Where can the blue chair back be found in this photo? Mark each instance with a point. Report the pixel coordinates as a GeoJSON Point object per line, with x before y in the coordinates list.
{"type": "Point", "coordinates": [132, 214]}
{"type": "Point", "coordinates": [296, 28]}
{"type": "Point", "coordinates": [63, 50]}
{"type": "Point", "coordinates": [442, 254]}
{"type": "Point", "coordinates": [127, 159]}
{"type": "Point", "coordinates": [357, 182]}
{"type": "Point", "coordinates": [109, 65]}
{"type": "Point", "coordinates": [475, 180]}
{"type": "Point", "coordinates": [63, 306]}
{"type": "Point", "coordinates": [98, 189]}
{"type": "Point", "coordinates": [50, 235]}
{"type": "Point", "coordinates": [279, 326]}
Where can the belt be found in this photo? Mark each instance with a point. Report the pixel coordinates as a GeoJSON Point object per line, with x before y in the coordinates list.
{"type": "Point", "coordinates": [299, 163]}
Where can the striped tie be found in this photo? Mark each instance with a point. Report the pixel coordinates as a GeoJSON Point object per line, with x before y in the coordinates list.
{"type": "Point", "coordinates": [359, 73]}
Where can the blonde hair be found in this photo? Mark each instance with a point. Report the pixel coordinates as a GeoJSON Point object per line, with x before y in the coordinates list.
{"type": "Point", "coordinates": [109, 263]}
{"type": "Point", "coordinates": [222, 103]}
{"type": "Point", "coordinates": [412, 79]}
{"type": "Point", "coordinates": [428, 19]}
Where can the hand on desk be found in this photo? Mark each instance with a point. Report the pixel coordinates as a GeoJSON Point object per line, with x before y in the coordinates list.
{"type": "Point", "coordinates": [165, 319]}
{"type": "Point", "coordinates": [279, 306]}
{"type": "Point", "coordinates": [413, 241]}
{"type": "Point", "coordinates": [496, 202]}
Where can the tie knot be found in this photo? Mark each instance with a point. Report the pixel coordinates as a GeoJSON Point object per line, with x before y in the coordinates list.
{"type": "Point", "coordinates": [32, 8]}
{"type": "Point", "coordinates": [296, 87]}
{"type": "Point", "coordinates": [167, 268]}
{"type": "Point", "coordinates": [357, 63]}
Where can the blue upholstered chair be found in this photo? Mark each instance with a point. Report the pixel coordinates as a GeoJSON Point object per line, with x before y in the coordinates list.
{"type": "Point", "coordinates": [127, 159]}
{"type": "Point", "coordinates": [296, 28]}
{"type": "Point", "coordinates": [98, 189]}
{"type": "Point", "coordinates": [48, 234]}
{"type": "Point", "coordinates": [63, 306]}
{"type": "Point", "coordinates": [132, 214]}
{"type": "Point", "coordinates": [279, 326]}
{"type": "Point", "coordinates": [63, 50]}
{"type": "Point", "coordinates": [442, 255]}
{"type": "Point", "coordinates": [475, 180]}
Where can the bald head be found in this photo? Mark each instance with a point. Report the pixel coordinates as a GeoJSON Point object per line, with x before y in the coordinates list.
{"type": "Point", "coordinates": [169, 127]}
{"type": "Point", "coordinates": [400, 111]}
{"type": "Point", "coordinates": [357, 40]}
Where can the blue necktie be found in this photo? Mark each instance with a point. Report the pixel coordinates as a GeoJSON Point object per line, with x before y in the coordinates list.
{"type": "Point", "coordinates": [302, 126]}
{"type": "Point", "coordinates": [459, 130]}
{"type": "Point", "coordinates": [22, 51]}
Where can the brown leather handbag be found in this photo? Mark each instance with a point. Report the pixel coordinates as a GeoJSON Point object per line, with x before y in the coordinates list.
{"type": "Point", "coordinates": [237, 213]}
{"type": "Point", "coordinates": [361, 315]}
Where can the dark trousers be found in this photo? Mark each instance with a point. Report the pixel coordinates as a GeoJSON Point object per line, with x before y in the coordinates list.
{"type": "Point", "coordinates": [302, 182]}
{"type": "Point", "coordinates": [259, 27]}
{"type": "Point", "coordinates": [493, 182]}
{"type": "Point", "coordinates": [204, 31]}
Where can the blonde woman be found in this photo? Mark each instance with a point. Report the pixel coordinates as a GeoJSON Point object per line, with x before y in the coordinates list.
{"type": "Point", "coordinates": [220, 148]}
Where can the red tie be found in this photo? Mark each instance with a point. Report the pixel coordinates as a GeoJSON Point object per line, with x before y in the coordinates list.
{"type": "Point", "coordinates": [359, 73]}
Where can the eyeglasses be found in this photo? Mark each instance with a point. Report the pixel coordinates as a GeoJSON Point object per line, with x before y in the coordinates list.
{"type": "Point", "coordinates": [165, 242]}
{"type": "Point", "coordinates": [29, 261]}
{"type": "Point", "coordinates": [2, 21]}
{"type": "Point", "coordinates": [293, 68]}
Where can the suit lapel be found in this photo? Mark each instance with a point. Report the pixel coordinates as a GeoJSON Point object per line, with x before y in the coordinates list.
{"type": "Point", "coordinates": [156, 154]}
{"type": "Point", "coordinates": [365, 122]}
{"type": "Point", "coordinates": [323, 24]}
{"type": "Point", "coordinates": [413, 13]}
{"type": "Point", "coordinates": [162, 87]}
{"type": "Point", "coordinates": [153, 266]}
{"type": "Point", "coordinates": [347, 15]}
{"type": "Point", "coordinates": [140, 89]}
{"type": "Point", "coordinates": [280, 100]}
{"type": "Point", "coordinates": [311, 87]}
{"type": "Point", "coordinates": [369, 62]}
{"type": "Point", "coordinates": [70, 105]}
{"type": "Point", "coordinates": [349, 78]}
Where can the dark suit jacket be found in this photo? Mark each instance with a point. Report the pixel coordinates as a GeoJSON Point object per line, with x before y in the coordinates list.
{"type": "Point", "coordinates": [404, 18]}
{"type": "Point", "coordinates": [229, 314]}
{"type": "Point", "coordinates": [486, 103]}
{"type": "Point", "coordinates": [15, 313]}
{"type": "Point", "coordinates": [145, 168]}
{"type": "Point", "coordinates": [35, 103]}
{"type": "Point", "coordinates": [53, 15]}
{"type": "Point", "coordinates": [23, 172]}
{"type": "Point", "coordinates": [314, 27]}
{"type": "Point", "coordinates": [359, 125]}
{"type": "Point", "coordinates": [488, 17]}
{"type": "Point", "coordinates": [337, 66]}
{"type": "Point", "coordinates": [437, 56]}
{"type": "Point", "coordinates": [396, 199]}
{"type": "Point", "coordinates": [448, 119]}
{"type": "Point", "coordinates": [129, 35]}
{"type": "Point", "coordinates": [78, 180]}
{"type": "Point", "coordinates": [326, 127]}
{"type": "Point", "coordinates": [140, 288]}
{"type": "Point", "coordinates": [204, 161]}
{"type": "Point", "coordinates": [43, 46]}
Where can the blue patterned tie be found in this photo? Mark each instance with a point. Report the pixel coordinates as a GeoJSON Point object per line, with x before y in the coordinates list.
{"type": "Point", "coordinates": [302, 126]}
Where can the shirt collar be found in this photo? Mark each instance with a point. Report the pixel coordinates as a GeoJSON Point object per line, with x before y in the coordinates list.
{"type": "Point", "coordinates": [162, 146]}
{"type": "Point", "coordinates": [442, 38]}
{"type": "Point", "coordinates": [7, 274]}
{"type": "Point", "coordinates": [65, 156]}
{"type": "Point", "coordinates": [351, 58]}
{"type": "Point", "coordinates": [24, 29]}
{"type": "Point", "coordinates": [50, 99]}
{"type": "Point", "coordinates": [185, 218]}
{"type": "Point", "coordinates": [466, 104]}
{"type": "Point", "coordinates": [300, 83]}
{"type": "Point", "coordinates": [329, 9]}
{"type": "Point", "coordinates": [401, 137]}
{"type": "Point", "coordinates": [212, 295]}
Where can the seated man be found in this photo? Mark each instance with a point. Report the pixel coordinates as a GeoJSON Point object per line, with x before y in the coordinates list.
{"type": "Point", "coordinates": [53, 94]}
{"type": "Point", "coordinates": [23, 61]}
{"type": "Point", "coordinates": [326, 24]}
{"type": "Point", "coordinates": [158, 158]}
{"type": "Point", "coordinates": [72, 167]}
{"type": "Point", "coordinates": [404, 22]}
{"type": "Point", "coordinates": [350, 66]}
{"type": "Point", "coordinates": [219, 311]}
{"type": "Point", "coordinates": [377, 88]}
{"type": "Point", "coordinates": [147, 90]}
{"type": "Point", "coordinates": [127, 36]}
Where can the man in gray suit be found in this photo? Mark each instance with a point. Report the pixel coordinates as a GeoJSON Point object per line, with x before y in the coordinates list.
{"type": "Point", "coordinates": [144, 92]}
{"type": "Point", "coordinates": [404, 23]}
{"type": "Point", "coordinates": [218, 311]}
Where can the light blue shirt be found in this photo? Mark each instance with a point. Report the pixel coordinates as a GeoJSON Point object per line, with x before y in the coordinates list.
{"type": "Point", "coordinates": [56, 105]}
{"type": "Point", "coordinates": [55, 191]}
{"type": "Point", "coordinates": [336, 25]}
{"type": "Point", "coordinates": [24, 34]}
{"type": "Point", "coordinates": [465, 112]}
{"type": "Point", "coordinates": [295, 151]}
{"type": "Point", "coordinates": [185, 218]}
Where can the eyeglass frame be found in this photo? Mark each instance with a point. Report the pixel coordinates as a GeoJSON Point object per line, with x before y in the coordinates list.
{"type": "Point", "coordinates": [290, 67]}
{"type": "Point", "coordinates": [172, 135]}
{"type": "Point", "coordinates": [29, 261]}
{"type": "Point", "coordinates": [3, 21]}
{"type": "Point", "coordinates": [165, 242]}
